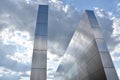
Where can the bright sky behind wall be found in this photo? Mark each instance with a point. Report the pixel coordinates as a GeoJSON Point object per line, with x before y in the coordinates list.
{"type": "Point", "coordinates": [17, 25]}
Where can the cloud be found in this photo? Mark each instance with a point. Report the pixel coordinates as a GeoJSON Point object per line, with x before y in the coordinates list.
{"type": "Point", "coordinates": [15, 50]}
{"type": "Point", "coordinates": [118, 72]}
{"type": "Point", "coordinates": [12, 15]}
{"type": "Point", "coordinates": [63, 20]}
{"type": "Point", "coordinates": [116, 53]}
{"type": "Point", "coordinates": [116, 36]}
{"type": "Point", "coordinates": [17, 23]}
{"type": "Point", "coordinates": [116, 28]}
{"type": "Point", "coordinates": [7, 74]}
{"type": "Point", "coordinates": [100, 12]}
{"type": "Point", "coordinates": [118, 6]}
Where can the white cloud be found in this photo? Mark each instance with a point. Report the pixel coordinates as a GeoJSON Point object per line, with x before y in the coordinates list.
{"type": "Point", "coordinates": [116, 28]}
{"type": "Point", "coordinates": [24, 78]}
{"type": "Point", "coordinates": [17, 49]}
{"type": "Point", "coordinates": [55, 1]}
{"type": "Point", "coordinates": [118, 6]}
{"type": "Point", "coordinates": [110, 14]}
{"type": "Point", "coordinates": [58, 4]}
{"type": "Point", "coordinates": [7, 74]}
{"type": "Point", "coordinates": [65, 9]}
{"type": "Point", "coordinates": [45, 2]}
{"type": "Point", "coordinates": [12, 36]}
{"type": "Point", "coordinates": [118, 72]}
{"type": "Point", "coordinates": [63, 20]}
{"type": "Point", "coordinates": [20, 57]}
{"type": "Point", "coordinates": [100, 12]}
{"type": "Point", "coordinates": [116, 36]}
{"type": "Point", "coordinates": [27, 1]}
{"type": "Point", "coordinates": [115, 53]}
{"type": "Point", "coordinates": [52, 64]}
{"type": "Point", "coordinates": [52, 56]}
{"type": "Point", "coordinates": [22, 42]}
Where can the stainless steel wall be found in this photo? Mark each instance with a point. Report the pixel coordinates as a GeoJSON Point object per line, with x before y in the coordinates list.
{"type": "Point", "coordinates": [39, 60]}
{"type": "Point", "coordinates": [87, 56]}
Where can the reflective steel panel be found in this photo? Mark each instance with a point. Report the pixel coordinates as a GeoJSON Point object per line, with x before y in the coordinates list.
{"type": "Point", "coordinates": [42, 30]}
{"type": "Point", "coordinates": [111, 74]}
{"type": "Point", "coordinates": [106, 60]}
{"type": "Point", "coordinates": [101, 44]}
{"type": "Point", "coordinates": [87, 56]}
{"type": "Point", "coordinates": [40, 43]}
{"type": "Point", "coordinates": [39, 59]}
{"type": "Point", "coordinates": [38, 74]}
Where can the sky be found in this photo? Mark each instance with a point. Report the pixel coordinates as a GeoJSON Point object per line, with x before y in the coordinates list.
{"type": "Point", "coordinates": [17, 27]}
